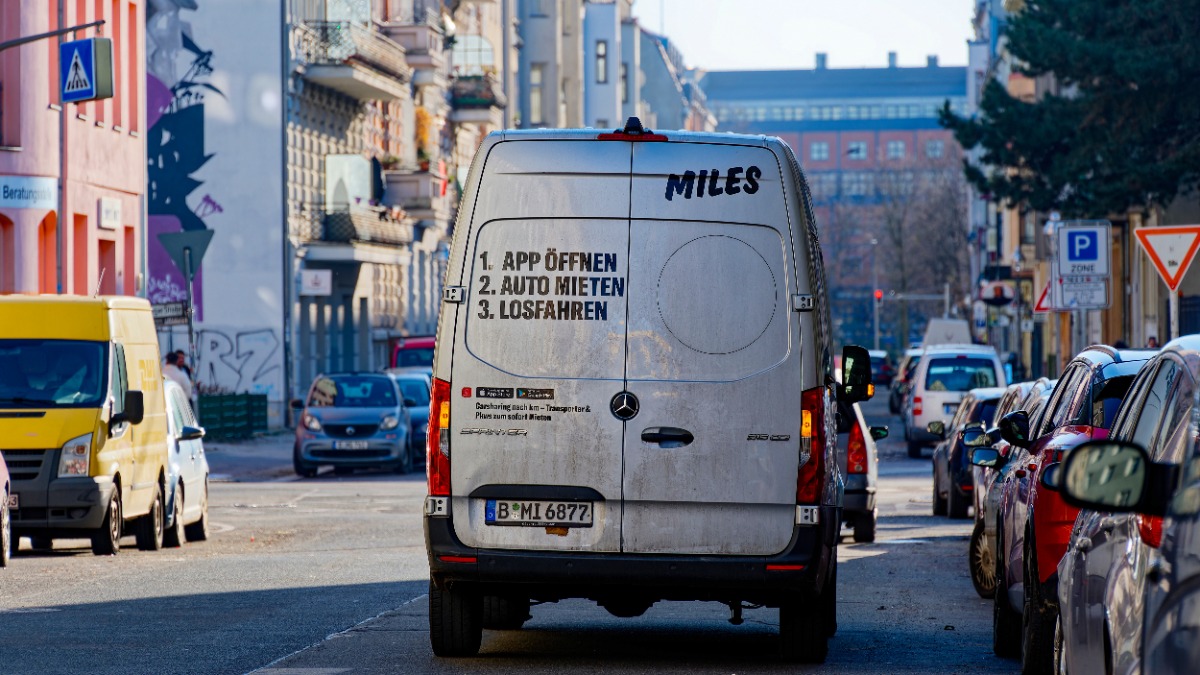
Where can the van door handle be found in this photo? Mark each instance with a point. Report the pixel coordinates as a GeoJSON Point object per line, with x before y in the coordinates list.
{"type": "Point", "coordinates": [668, 437]}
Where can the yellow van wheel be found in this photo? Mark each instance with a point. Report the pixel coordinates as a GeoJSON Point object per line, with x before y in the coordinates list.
{"type": "Point", "coordinates": [150, 526]}
{"type": "Point", "coordinates": [107, 539]}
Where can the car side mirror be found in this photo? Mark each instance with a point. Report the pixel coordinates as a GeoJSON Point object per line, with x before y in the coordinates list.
{"type": "Point", "coordinates": [191, 433]}
{"type": "Point", "coordinates": [879, 433]}
{"type": "Point", "coordinates": [856, 375]}
{"type": "Point", "coordinates": [989, 458]}
{"type": "Point", "coordinates": [410, 402]}
{"type": "Point", "coordinates": [1050, 476]}
{"type": "Point", "coordinates": [937, 428]}
{"type": "Point", "coordinates": [1014, 428]}
{"type": "Point", "coordinates": [134, 412]}
{"type": "Point", "coordinates": [1116, 476]}
{"type": "Point", "coordinates": [977, 437]}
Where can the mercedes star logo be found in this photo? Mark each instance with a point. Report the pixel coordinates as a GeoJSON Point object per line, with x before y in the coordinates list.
{"type": "Point", "coordinates": [624, 406]}
{"type": "Point", "coordinates": [349, 431]}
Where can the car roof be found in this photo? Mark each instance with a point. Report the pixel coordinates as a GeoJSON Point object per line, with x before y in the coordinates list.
{"type": "Point", "coordinates": [1188, 349]}
{"type": "Point", "coordinates": [958, 348]}
{"type": "Point", "coordinates": [987, 393]}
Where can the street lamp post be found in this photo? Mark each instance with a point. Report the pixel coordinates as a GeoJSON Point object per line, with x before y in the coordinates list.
{"type": "Point", "coordinates": [875, 287]}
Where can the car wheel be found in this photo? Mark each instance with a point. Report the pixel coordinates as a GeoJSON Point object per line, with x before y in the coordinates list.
{"type": "Point", "coordinates": [150, 526]}
{"type": "Point", "coordinates": [804, 629]}
{"type": "Point", "coordinates": [173, 536]}
{"type": "Point", "coordinates": [864, 526]}
{"type": "Point", "coordinates": [1006, 623]}
{"type": "Point", "coordinates": [198, 531]}
{"type": "Point", "coordinates": [982, 562]}
{"type": "Point", "coordinates": [5, 532]}
{"type": "Point", "coordinates": [302, 468]}
{"type": "Point", "coordinates": [1037, 621]}
{"type": "Point", "coordinates": [107, 539]}
{"type": "Point", "coordinates": [505, 612]}
{"type": "Point", "coordinates": [958, 504]}
{"type": "Point", "coordinates": [1060, 663]}
{"type": "Point", "coordinates": [455, 620]}
{"type": "Point", "coordinates": [830, 600]}
{"type": "Point", "coordinates": [914, 450]}
{"type": "Point", "coordinates": [939, 504]}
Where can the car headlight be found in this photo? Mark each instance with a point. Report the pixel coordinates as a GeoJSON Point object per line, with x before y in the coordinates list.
{"type": "Point", "coordinates": [76, 457]}
{"type": "Point", "coordinates": [389, 422]}
{"type": "Point", "coordinates": [311, 423]}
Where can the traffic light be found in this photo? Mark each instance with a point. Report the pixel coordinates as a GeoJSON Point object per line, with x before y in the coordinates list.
{"type": "Point", "coordinates": [878, 295]}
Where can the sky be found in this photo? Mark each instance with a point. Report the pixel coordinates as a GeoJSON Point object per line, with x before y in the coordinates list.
{"type": "Point", "coordinates": [780, 34]}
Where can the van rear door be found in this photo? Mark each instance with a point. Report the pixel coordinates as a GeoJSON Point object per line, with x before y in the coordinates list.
{"type": "Point", "coordinates": [714, 355]}
{"type": "Point", "coordinates": [540, 349]}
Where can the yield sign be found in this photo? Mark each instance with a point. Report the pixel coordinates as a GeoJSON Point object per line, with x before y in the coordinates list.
{"type": "Point", "coordinates": [1043, 302]}
{"type": "Point", "coordinates": [1171, 249]}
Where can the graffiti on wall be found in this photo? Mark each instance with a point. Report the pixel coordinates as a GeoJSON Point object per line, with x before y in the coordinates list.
{"type": "Point", "coordinates": [238, 361]}
{"type": "Point", "coordinates": [177, 69]}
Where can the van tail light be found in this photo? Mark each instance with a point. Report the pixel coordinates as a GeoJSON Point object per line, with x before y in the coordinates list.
{"type": "Point", "coordinates": [437, 444]}
{"type": "Point", "coordinates": [810, 479]}
{"type": "Point", "coordinates": [1150, 529]}
{"type": "Point", "coordinates": [916, 405]}
{"type": "Point", "coordinates": [856, 451]}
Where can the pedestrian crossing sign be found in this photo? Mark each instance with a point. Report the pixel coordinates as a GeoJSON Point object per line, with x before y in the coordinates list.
{"type": "Point", "coordinates": [85, 70]}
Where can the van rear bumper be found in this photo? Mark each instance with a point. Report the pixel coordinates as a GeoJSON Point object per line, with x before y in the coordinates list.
{"type": "Point", "coordinates": [553, 575]}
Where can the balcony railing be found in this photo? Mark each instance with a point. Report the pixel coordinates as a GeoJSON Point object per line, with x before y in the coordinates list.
{"type": "Point", "coordinates": [374, 225]}
{"type": "Point", "coordinates": [345, 42]}
{"type": "Point", "coordinates": [477, 91]}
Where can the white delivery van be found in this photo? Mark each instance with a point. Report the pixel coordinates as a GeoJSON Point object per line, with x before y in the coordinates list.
{"type": "Point", "coordinates": [633, 397]}
{"type": "Point", "coordinates": [941, 380]}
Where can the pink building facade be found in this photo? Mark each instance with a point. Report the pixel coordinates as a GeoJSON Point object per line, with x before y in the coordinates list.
{"type": "Point", "coordinates": [104, 167]}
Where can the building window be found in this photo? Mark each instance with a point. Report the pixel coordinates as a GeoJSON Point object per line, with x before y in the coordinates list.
{"type": "Point", "coordinates": [823, 185]}
{"type": "Point", "coordinates": [602, 61]}
{"type": "Point", "coordinates": [857, 150]}
{"type": "Point", "coordinates": [895, 150]}
{"type": "Point", "coordinates": [624, 82]}
{"type": "Point", "coordinates": [857, 183]}
{"type": "Point", "coordinates": [602, 124]}
{"type": "Point", "coordinates": [536, 114]}
{"type": "Point", "coordinates": [818, 151]}
{"type": "Point", "coordinates": [934, 149]}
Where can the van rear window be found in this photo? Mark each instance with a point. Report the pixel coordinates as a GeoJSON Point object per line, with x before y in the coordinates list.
{"type": "Point", "coordinates": [956, 374]}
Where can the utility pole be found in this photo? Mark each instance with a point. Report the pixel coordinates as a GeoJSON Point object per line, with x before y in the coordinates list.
{"type": "Point", "coordinates": [877, 295]}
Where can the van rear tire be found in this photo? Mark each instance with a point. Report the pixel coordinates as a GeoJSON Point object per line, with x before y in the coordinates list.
{"type": "Point", "coordinates": [864, 527]}
{"type": "Point", "coordinates": [173, 536]}
{"type": "Point", "coordinates": [804, 629]}
{"type": "Point", "coordinates": [455, 620]}
{"type": "Point", "coordinates": [198, 531]}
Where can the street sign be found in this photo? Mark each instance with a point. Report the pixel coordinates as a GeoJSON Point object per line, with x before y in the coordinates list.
{"type": "Point", "coordinates": [1082, 266]}
{"type": "Point", "coordinates": [316, 282]}
{"type": "Point", "coordinates": [1171, 249]}
{"type": "Point", "coordinates": [176, 242]}
{"type": "Point", "coordinates": [85, 70]}
{"type": "Point", "coordinates": [170, 313]}
{"type": "Point", "coordinates": [1043, 303]}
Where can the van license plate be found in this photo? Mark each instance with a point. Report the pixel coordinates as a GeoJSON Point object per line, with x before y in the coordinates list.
{"type": "Point", "coordinates": [349, 445]}
{"type": "Point", "coordinates": [538, 513]}
{"type": "Point", "coordinates": [14, 501]}
{"type": "Point", "coordinates": [951, 408]}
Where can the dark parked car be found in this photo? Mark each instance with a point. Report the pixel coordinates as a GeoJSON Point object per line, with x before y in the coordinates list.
{"type": "Point", "coordinates": [1034, 523]}
{"type": "Point", "coordinates": [352, 421]}
{"type": "Point", "coordinates": [953, 482]}
{"type": "Point", "coordinates": [881, 367]}
{"type": "Point", "coordinates": [416, 390]}
{"type": "Point", "coordinates": [899, 388]}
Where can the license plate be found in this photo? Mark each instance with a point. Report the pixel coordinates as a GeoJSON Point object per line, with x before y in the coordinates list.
{"type": "Point", "coordinates": [951, 408]}
{"type": "Point", "coordinates": [538, 513]}
{"type": "Point", "coordinates": [349, 445]}
{"type": "Point", "coordinates": [14, 501]}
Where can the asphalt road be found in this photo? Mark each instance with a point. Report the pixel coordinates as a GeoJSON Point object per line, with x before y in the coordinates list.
{"type": "Point", "coordinates": [328, 575]}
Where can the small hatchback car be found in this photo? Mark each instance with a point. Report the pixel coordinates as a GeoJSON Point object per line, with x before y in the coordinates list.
{"type": "Point", "coordinates": [354, 421]}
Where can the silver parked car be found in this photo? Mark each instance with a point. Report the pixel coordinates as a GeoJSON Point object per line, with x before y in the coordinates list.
{"type": "Point", "coordinates": [1129, 585]}
{"type": "Point", "coordinates": [354, 421]}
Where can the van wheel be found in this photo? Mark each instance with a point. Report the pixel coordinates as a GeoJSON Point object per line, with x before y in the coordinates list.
{"type": "Point", "coordinates": [5, 532]}
{"type": "Point", "coordinates": [455, 620]}
{"type": "Point", "coordinates": [198, 531]}
{"type": "Point", "coordinates": [150, 526]}
{"type": "Point", "coordinates": [107, 539]}
{"type": "Point", "coordinates": [864, 526]}
{"type": "Point", "coordinates": [958, 504]}
{"type": "Point", "coordinates": [939, 504]}
{"type": "Point", "coordinates": [829, 600]}
{"type": "Point", "coordinates": [173, 536]}
{"type": "Point", "coordinates": [914, 450]}
{"type": "Point", "coordinates": [982, 563]}
{"type": "Point", "coordinates": [303, 469]}
{"type": "Point", "coordinates": [505, 612]}
{"type": "Point", "coordinates": [804, 629]}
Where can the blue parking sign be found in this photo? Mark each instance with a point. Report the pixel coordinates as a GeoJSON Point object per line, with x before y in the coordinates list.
{"type": "Point", "coordinates": [1083, 246]}
{"type": "Point", "coordinates": [85, 70]}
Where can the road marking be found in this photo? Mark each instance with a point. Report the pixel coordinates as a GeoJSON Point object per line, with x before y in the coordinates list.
{"type": "Point", "coordinates": [283, 671]}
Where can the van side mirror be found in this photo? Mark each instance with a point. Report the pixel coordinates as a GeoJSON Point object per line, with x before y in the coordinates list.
{"type": "Point", "coordinates": [937, 428]}
{"type": "Point", "coordinates": [191, 433]}
{"type": "Point", "coordinates": [134, 412]}
{"type": "Point", "coordinates": [856, 375]}
{"type": "Point", "coordinates": [1116, 476]}
{"type": "Point", "coordinates": [879, 433]}
{"type": "Point", "coordinates": [1014, 428]}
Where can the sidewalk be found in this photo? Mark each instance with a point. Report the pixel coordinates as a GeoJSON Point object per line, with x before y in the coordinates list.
{"type": "Point", "coordinates": [263, 458]}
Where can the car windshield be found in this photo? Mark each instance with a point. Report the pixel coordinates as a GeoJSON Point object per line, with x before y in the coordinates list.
{"type": "Point", "coordinates": [415, 390]}
{"type": "Point", "coordinates": [960, 374]}
{"type": "Point", "coordinates": [414, 357]}
{"type": "Point", "coordinates": [53, 374]}
{"type": "Point", "coordinates": [986, 413]}
{"type": "Point", "coordinates": [352, 391]}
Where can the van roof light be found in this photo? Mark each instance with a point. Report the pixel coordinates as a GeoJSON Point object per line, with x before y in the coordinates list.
{"type": "Point", "coordinates": [633, 131]}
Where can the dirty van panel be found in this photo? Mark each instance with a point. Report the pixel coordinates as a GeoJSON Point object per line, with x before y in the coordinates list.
{"type": "Point", "coordinates": [536, 452]}
{"type": "Point", "coordinates": [536, 179]}
{"type": "Point", "coordinates": [714, 352]}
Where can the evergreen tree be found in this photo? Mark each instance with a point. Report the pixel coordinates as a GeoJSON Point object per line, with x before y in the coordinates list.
{"type": "Point", "coordinates": [1124, 129]}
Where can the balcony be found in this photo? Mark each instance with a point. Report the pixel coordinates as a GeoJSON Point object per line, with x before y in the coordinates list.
{"type": "Point", "coordinates": [353, 59]}
{"type": "Point", "coordinates": [422, 194]}
{"type": "Point", "coordinates": [477, 99]}
{"type": "Point", "coordinates": [371, 225]}
{"type": "Point", "coordinates": [424, 42]}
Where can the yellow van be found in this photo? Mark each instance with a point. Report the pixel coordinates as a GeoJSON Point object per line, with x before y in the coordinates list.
{"type": "Point", "coordinates": [82, 421]}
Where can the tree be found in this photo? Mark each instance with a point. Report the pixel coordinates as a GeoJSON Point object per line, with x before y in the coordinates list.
{"type": "Point", "coordinates": [1121, 128]}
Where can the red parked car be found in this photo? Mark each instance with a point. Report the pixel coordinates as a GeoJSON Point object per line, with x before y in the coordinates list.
{"type": "Point", "coordinates": [1034, 524]}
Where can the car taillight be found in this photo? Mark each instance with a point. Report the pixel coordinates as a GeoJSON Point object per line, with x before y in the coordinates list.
{"type": "Point", "coordinates": [856, 451]}
{"type": "Point", "coordinates": [437, 443]}
{"type": "Point", "coordinates": [1150, 529]}
{"type": "Point", "coordinates": [810, 479]}
{"type": "Point", "coordinates": [916, 405]}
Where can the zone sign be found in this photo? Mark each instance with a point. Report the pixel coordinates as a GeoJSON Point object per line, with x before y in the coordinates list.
{"type": "Point", "coordinates": [1084, 249]}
